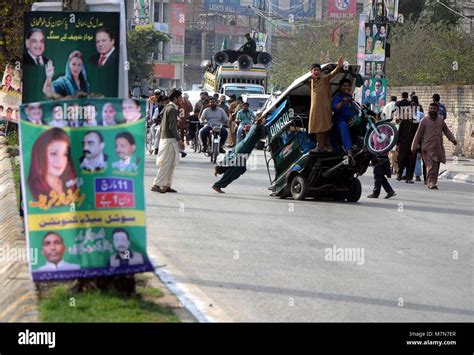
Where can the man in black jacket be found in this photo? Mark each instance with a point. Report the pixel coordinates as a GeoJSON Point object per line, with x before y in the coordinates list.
{"type": "Point", "coordinates": [406, 134]}
{"type": "Point", "coordinates": [250, 47]}
{"type": "Point", "coordinates": [105, 45]}
{"type": "Point", "coordinates": [35, 48]}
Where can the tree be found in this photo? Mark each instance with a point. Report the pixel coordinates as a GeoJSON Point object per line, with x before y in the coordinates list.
{"type": "Point", "coordinates": [430, 11]}
{"type": "Point", "coordinates": [425, 53]}
{"type": "Point", "coordinates": [411, 9]}
{"type": "Point", "coordinates": [309, 44]}
{"type": "Point", "coordinates": [141, 43]}
{"type": "Point", "coordinates": [11, 30]}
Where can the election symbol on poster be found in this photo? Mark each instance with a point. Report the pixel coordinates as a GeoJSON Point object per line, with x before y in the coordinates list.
{"type": "Point", "coordinates": [82, 183]}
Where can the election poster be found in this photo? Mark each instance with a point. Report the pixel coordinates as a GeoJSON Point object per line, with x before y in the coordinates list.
{"type": "Point", "coordinates": [374, 92]}
{"type": "Point", "coordinates": [10, 94]}
{"type": "Point", "coordinates": [341, 9]}
{"type": "Point", "coordinates": [67, 53]}
{"type": "Point", "coordinates": [82, 165]}
{"type": "Point", "coordinates": [141, 12]}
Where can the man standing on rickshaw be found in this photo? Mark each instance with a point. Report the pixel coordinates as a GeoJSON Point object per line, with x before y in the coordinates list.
{"type": "Point", "coordinates": [320, 113]}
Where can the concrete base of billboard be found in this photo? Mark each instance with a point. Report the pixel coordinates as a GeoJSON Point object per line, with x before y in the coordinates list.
{"type": "Point", "coordinates": [18, 300]}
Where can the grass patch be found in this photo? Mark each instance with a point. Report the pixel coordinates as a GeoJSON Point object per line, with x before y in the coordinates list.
{"type": "Point", "coordinates": [16, 178]}
{"type": "Point", "coordinates": [102, 306]}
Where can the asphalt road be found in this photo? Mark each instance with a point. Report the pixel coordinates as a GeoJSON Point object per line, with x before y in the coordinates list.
{"type": "Point", "coordinates": [245, 256]}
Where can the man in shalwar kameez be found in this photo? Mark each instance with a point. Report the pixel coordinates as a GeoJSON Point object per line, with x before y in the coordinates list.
{"type": "Point", "coordinates": [320, 114]}
{"type": "Point", "coordinates": [430, 136]}
{"type": "Point", "coordinates": [234, 163]}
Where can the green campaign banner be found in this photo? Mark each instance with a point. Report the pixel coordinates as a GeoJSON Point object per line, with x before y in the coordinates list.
{"type": "Point", "coordinates": [67, 52]}
{"type": "Point", "coordinates": [82, 165]}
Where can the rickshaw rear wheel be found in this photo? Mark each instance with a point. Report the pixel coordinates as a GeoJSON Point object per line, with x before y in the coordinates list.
{"type": "Point", "coordinates": [355, 191]}
{"type": "Point", "coordinates": [299, 187]}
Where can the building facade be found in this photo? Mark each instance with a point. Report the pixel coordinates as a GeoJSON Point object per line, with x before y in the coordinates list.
{"type": "Point", "coordinates": [168, 16]}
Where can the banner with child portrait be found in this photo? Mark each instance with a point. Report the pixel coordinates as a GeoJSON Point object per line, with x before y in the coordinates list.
{"type": "Point", "coordinates": [66, 53]}
{"type": "Point", "coordinates": [82, 183]}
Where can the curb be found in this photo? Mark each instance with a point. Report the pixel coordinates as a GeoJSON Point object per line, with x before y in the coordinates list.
{"type": "Point", "coordinates": [18, 300]}
{"type": "Point", "coordinates": [457, 176]}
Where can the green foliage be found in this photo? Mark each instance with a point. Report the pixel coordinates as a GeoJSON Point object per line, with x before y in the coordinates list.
{"type": "Point", "coordinates": [105, 306]}
{"type": "Point", "coordinates": [411, 9]}
{"type": "Point", "coordinates": [12, 137]}
{"type": "Point", "coordinates": [429, 11]}
{"type": "Point", "coordinates": [310, 44]}
{"type": "Point", "coordinates": [11, 30]}
{"type": "Point", "coordinates": [423, 54]}
{"type": "Point", "coordinates": [141, 42]}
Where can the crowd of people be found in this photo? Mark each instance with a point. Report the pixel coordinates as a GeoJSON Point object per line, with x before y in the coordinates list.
{"type": "Point", "coordinates": [233, 115]}
{"type": "Point", "coordinates": [175, 122]}
{"type": "Point", "coordinates": [419, 149]}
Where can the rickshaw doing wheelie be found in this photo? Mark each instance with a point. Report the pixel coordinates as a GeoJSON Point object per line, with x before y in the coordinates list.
{"type": "Point", "coordinates": [300, 172]}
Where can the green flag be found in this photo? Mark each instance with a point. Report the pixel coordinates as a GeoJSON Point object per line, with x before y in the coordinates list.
{"type": "Point", "coordinates": [224, 44]}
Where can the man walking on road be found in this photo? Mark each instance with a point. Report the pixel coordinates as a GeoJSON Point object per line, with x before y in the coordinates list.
{"type": "Point", "coordinates": [406, 132]}
{"type": "Point", "coordinates": [430, 136]}
{"type": "Point", "coordinates": [170, 145]}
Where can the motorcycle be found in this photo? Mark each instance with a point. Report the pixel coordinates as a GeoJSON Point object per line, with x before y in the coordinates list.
{"type": "Point", "coordinates": [380, 136]}
{"type": "Point", "coordinates": [195, 142]}
{"type": "Point", "coordinates": [214, 143]}
{"type": "Point", "coordinates": [244, 131]}
{"type": "Point", "coordinates": [152, 137]}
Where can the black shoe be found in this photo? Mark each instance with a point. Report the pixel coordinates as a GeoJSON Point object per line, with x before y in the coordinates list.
{"type": "Point", "coordinates": [418, 178]}
{"type": "Point", "coordinates": [169, 189]}
{"type": "Point", "coordinates": [404, 177]}
{"type": "Point", "coordinates": [183, 154]}
{"type": "Point", "coordinates": [390, 194]}
{"type": "Point", "coordinates": [218, 189]}
{"type": "Point", "coordinates": [156, 152]}
{"type": "Point", "coordinates": [399, 178]}
{"type": "Point", "coordinates": [373, 196]}
{"type": "Point", "coordinates": [409, 182]}
{"type": "Point", "coordinates": [221, 150]}
{"type": "Point", "coordinates": [155, 188]}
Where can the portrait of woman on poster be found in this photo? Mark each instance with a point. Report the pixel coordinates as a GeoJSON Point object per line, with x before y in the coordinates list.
{"type": "Point", "coordinates": [52, 167]}
{"type": "Point", "coordinates": [74, 80]}
{"type": "Point", "coordinates": [378, 48]}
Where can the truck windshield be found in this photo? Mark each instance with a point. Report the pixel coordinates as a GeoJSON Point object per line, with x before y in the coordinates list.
{"type": "Point", "coordinates": [239, 90]}
{"type": "Point", "coordinates": [256, 103]}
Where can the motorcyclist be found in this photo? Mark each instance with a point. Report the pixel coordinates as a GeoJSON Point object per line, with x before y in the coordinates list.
{"type": "Point", "coordinates": [343, 113]}
{"type": "Point", "coordinates": [250, 47]}
{"type": "Point", "coordinates": [244, 117]}
{"type": "Point", "coordinates": [214, 116]}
